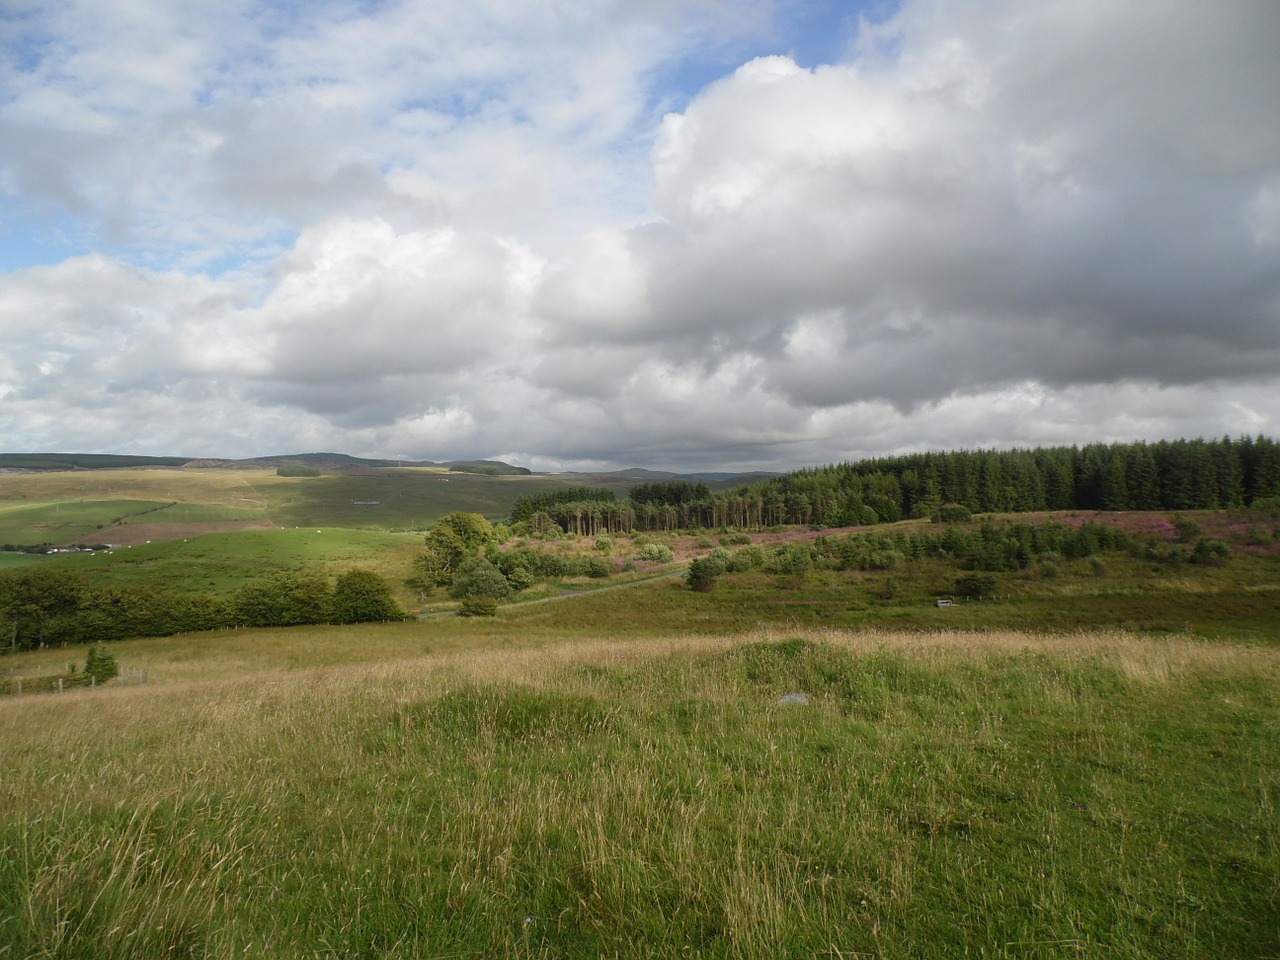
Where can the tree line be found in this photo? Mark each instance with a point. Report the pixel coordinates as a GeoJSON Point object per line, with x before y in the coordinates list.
{"type": "Point", "coordinates": [1168, 475]}
{"type": "Point", "coordinates": [43, 607]}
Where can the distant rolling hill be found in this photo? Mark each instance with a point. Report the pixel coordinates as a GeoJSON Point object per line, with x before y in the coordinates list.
{"type": "Point", "coordinates": [329, 462]}
{"type": "Point", "coordinates": [84, 461]}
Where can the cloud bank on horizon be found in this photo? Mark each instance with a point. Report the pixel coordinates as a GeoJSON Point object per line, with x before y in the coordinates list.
{"type": "Point", "coordinates": [616, 232]}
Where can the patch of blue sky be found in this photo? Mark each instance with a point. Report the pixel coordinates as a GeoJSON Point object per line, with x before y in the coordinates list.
{"type": "Point", "coordinates": [818, 32]}
{"type": "Point", "coordinates": [24, 42]}
{"type": "Point", "coordinates": [30, 239]}
{"type": "Point", "coordinates": [279, 18]}
{"type": "Point", "coordinates": [812, 32]}
{"type": "Point", "coordinates": [245, 260]}
{"type": "Point", "coordinates": [463, 102]}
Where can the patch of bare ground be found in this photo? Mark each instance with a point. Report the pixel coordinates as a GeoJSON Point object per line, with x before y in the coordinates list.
{"type": "Point", "coordinates": [128, 535]}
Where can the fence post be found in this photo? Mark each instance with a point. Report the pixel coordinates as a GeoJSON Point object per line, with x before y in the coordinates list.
{"type": "Point", "coordinates": [59, 684]}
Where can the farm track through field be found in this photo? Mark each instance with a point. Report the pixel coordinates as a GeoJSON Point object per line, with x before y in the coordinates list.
{"type": "Point", "coordinates": [567, 595]}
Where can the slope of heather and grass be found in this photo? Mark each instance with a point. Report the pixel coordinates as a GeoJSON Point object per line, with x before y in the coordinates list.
{"type": "Point", "coordinates": [1003, 795]}
{"type": "Point", "coordinates": [131, 506]}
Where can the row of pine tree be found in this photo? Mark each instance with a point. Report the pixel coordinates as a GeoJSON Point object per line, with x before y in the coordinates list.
{"type": "Point", "coordinates": [1169, 475]}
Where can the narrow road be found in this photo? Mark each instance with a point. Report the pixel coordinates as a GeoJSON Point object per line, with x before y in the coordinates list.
{"type": "Point", "coordinates": [568, 594]}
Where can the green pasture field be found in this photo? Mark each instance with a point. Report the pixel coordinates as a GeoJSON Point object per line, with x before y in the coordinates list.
{"type": "Point", "coordinates": [62, 507]}
{"type": "Point", "coordinates": [218, 564]}
{"type": "Point", "coordinates": [61, 522]}
{"type": "Point", "coordinates": [12, 561]}
{"type": "Point", "coordinates": [434, 790]}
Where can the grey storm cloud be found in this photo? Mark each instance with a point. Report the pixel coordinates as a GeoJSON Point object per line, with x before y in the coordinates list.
{"type": "Point", "coordinates": [452, 231]}
{"type": "Point", "coordinates": [970, 215]}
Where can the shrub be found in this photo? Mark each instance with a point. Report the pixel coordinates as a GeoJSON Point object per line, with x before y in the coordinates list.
{"type": "Point", "coordinates": [721, 556]}
{"type": "Point", "coordinates": [546, 565]}
{"type": "Point", "coordinates": [1213, 553]}
{"type": "Point", "coordinates": [597, 567]}
{"type": "Point", "coordinates": [283, 600]}
{"type": "Point", "coordinates": [952, 513]}
{"type": "Point", "coordinates": [478, 577]}
{"type": "Point", "coordinates": [100, 664]}
{"type": "Point", "coordinates": [703, 573]}
{"type": "Point", "coordinates": [520, 578]}
{"type": "Point", "coordinates": [1266, 506]}
{"type": "Point", "coordinates": [362, 596]}
{"type": "Point", "coordinates": [975, 586]}
{"type": "Point", "coordinates": [1186, 528]}
{"type": "Point", "coordinates": [791, 562]}
{"type": "Point", "coordinates": [657, 553]}
{"type": "Point", "coordinates": [474, 606]}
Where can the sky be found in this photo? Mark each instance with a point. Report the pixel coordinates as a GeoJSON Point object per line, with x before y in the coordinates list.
{"type": "Point", "coordinates": [677, 234]}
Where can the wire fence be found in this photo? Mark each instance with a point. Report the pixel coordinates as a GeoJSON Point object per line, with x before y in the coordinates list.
{"type": "Point", "coordinates": [15, 684]}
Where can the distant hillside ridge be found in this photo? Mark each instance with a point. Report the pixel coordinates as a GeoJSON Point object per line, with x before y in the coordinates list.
{"type": "Point", "coordinates": [335, 462]}
{"type": "Point", "coordinates": [84, 461]}
{"type": "Point", "coordinates": [331, 462]}
{"type": "Point", "coordinates": [491, 468]}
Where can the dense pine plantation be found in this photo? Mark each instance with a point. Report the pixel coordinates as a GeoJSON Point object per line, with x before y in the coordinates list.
{"type": "Point", "coordinates": [1170, 475]}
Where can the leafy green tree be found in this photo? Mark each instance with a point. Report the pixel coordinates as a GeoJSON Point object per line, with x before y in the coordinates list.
{"type": "Point", "coordinates": [362, 596]}
{"type": "Point", "coordinates": [478, 577]}
{"type": "Point", "coordinates": [39, 606]}
{"type": "Point", "coordinates": [519, 577]}
{"type": "Point", "coordinates": [454, 539]}
{"type": "Point", "coordinates": [283, 600]}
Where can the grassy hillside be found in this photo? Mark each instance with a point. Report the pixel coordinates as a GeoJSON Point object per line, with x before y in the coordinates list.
{"type": "Point", "coordinates": [220, 563]}
{"type": "Point", "coordinates": [944, 794]}
{"type": "Point", "coordinates": [132, 506]}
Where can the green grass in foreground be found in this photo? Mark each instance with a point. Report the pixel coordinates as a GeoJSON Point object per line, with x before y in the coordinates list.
{"type": "Point", "coordinates": [1003, 795]}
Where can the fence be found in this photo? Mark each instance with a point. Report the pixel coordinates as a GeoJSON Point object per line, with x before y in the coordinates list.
{"type": "Point", "coordinates": [12, 685]}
